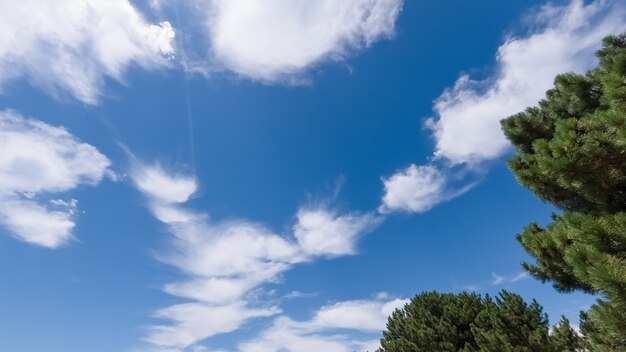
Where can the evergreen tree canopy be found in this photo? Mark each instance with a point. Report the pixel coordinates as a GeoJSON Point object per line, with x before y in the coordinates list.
{"type": "Point", "coordinates": [510, 324]}
{"type": "Point", "coordinates": [571, 152]}
{"type": "Point", "coordinates": [468, 322]}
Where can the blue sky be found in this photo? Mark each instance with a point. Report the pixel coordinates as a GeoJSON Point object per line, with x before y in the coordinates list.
{"type": "Point", "coordinates": [278, 176]}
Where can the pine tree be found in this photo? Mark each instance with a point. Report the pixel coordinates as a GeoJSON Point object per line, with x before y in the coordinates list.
{"type": "Point", "coordinates": [468, 322]}
{"type": "Point", "coordinates": [571, 152]}
{"type": "Point", "coordinates": [565, 339]}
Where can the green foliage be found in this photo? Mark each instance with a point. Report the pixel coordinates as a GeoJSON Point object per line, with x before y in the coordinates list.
{"type": "Point", "coordinates": [604, 325]}
{"type": "Point", "coordinates": [468, 322]}
{"type": "Point", "coordinates": [580, 251]}
{"type": "Point", "coordinates": [571, 152]}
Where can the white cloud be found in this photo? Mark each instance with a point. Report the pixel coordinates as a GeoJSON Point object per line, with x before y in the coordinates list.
{"type": "Point", "coordinates": [74, 45]}
{"type": "Point", "coordinates": [416, 189]}
{"type": "Point", "coordinates": [34, 223]}
{"type": "Point", "coordinates": [225, 263]}
{"type": "Point", "coordinates": [298, 294]}
{"type": "Point", "coordinates": [467, 128]}
{"type": "Point", "coordinates": [194, 322]}
{"type": "Point", "coordinates": [320, 333]}
{"type": "Point", "coordinates": [164, 188]}
{"type": "Point", "coordinates": [322, 232]}
{"type": "Point", "coordinates": [71, 204]}
{"type": "Point", "coordinates": [359, 315]}
{"type": "Point", "coordinates": [38, 159]}
{"type": "Point", "coordinates": [285, 335]}
{"type": "Point", "coordinates": [276, 40]}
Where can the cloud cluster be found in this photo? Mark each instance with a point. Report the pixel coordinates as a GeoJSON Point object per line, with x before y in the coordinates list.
{"type": "Point", "coordinates": [276, 40]}
{"type": "Point", "coordinates": [225, 263]}
{"type": "Point", "coordinates": [466, 127]}
{"type": "Point", "coordinates": [73, 46]}
{"type": "Point", "coordinates": [36, 160]}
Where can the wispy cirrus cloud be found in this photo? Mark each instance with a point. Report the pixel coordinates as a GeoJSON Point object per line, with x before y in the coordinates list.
{"type": "Point", "coordinates": [225, 263]}
{"type": "Point", "coordinates": [70, 46]}
{"type": "Point", "coordinates": [466, 125]}
{"type": "Point", "coordinates": [39, 160]}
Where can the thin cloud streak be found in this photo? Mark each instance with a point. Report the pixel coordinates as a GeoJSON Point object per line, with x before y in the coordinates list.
{"type": "Point", "coordinates": [508, 279]}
